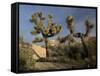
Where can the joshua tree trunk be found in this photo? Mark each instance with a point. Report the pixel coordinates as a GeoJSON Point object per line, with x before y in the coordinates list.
{"type": "Point", "coordinates": [84, 46]}
{"type": "Point", "coordinates": [86, 52]}
{"type": "Point", "coordinates": [46, 45]}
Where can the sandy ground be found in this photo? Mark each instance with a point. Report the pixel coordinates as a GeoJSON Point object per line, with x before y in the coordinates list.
{"type": "Point", "coordinates": [52, 65]}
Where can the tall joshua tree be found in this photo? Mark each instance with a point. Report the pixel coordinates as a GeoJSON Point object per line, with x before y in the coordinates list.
{"type": "Point", "coordinates": [82, 36]}
{"type": "Point", "coordinates": [47, 31]}
{"type": "Point", "coordinates": [70, 25]}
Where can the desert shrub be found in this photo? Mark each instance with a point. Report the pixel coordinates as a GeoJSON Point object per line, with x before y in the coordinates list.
{"type": "Point", "coordinates": [75, 53]}
{"type": "Point", "coordinates": [26, 60]}
{"type": "Point", "coordinates": [91, 46]}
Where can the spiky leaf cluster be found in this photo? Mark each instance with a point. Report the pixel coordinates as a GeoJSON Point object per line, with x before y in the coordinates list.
{"type": "Point", "coordinates": [70, 26]}
{"type": "Point", "coordinates": [47, 31]}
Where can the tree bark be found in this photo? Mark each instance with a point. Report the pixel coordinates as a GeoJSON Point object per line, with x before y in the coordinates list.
{"type": "Point", "coordinates": [84, 46]}
{"type": "Point", "coordinates": [46, 45]}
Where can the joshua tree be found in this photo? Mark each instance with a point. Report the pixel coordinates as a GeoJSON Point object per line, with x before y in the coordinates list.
{"type": "Point", "coordinates": [47, 31]}
{"type": "Point", "coordinates": [70, 25]}
{"type": "Point", "coordinates": [82, 36]}
{"type": "Point", "coordinates": [70, 37]}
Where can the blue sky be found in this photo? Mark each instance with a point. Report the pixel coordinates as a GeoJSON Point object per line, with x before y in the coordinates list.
{"type": "Point", "coordinates": [59, 16]}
